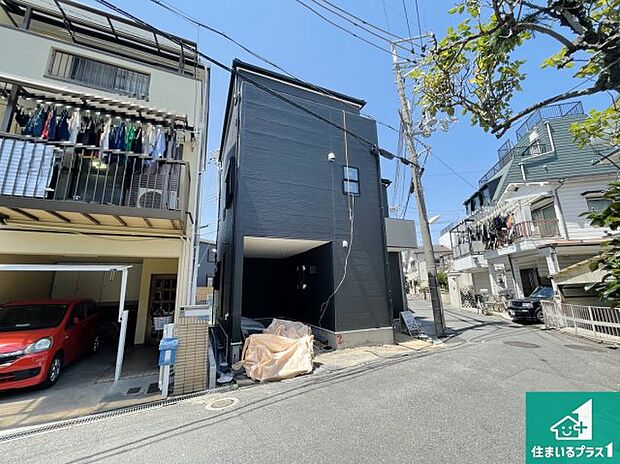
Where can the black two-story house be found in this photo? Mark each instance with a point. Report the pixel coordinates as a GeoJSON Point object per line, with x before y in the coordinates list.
{"type": "Point", "coordinates": [301, 230]}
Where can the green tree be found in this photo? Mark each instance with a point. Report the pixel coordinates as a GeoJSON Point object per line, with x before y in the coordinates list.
{"type": "Point", "coordinates": [608, 259]}
{"type": "Point", "coordinates": [476, 68]}
{"type": "Point", "coordinates": [442, 279]}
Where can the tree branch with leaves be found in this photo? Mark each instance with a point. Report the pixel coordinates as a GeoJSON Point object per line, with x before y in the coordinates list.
{"type": "Point", "coordinates": [477, 68]}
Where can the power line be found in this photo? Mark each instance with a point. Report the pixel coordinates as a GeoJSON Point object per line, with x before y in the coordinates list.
{"type": "Point", "coordinates": [344, 29]}
{"type": "Point", "coordinates": [335, 10]}
{"type": "Point", "coordinates": [373, 146]}
{"type": "Point", "coordinates": [180, 13]}
{"type": "Point", "coordinates": [363, 20]}
{"type": "Point", "coordinates": [407, 19]}
{"type": "Point", "coordinates": [417, 13]}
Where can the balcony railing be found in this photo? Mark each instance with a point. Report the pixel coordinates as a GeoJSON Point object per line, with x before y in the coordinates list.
{"type": "Point", "coordinates": [544, 229]}
{"type": "Point", "coordinates": [508, 150]}
{"type": "Point", "coordinates": [533, 149]}
{"type": "Point", "coordinates": [38, 169]}
{"type": "Point", "coordinates": [548, 112]}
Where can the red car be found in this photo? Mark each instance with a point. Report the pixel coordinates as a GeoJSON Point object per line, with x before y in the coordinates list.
{"type": "Point", "coordinates": [38, 338]}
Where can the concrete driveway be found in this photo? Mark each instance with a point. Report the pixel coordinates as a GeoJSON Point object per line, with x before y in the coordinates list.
{"type": "Point", "coordinates": [84, 387]}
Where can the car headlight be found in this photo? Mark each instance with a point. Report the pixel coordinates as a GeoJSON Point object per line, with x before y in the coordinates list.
{"type": "Point", "coordinates": [528, 305]}
{"type": "Point", "coordinates": [39, 346]}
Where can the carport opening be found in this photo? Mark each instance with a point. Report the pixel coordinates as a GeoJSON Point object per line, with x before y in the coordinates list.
{"type": "Point", "coordinates": [107, 310]}
{"type": "Point", "coordinates": [287, 279]}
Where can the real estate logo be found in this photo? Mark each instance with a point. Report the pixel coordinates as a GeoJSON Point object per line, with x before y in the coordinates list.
{"type": "Point", "coordinates": [575, 426]}
{"type": "Point", "coordinates": [565, 427]}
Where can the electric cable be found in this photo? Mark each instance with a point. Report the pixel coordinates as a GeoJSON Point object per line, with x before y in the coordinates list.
{"type": "Point", "coordinates": [351, 208]}
{"type": "Point", "coordinates": [363, 21]}
{"type": "Point", "coordinates": [379, 36]}
{"type": "Point", "coordinates": [407, 19]}
{"type": "Point", "coordinates": [180, 13]}
{"type": "Point", "coordinates": [219, 64]}
{"type": "Point", "coordinates": [344, 29]}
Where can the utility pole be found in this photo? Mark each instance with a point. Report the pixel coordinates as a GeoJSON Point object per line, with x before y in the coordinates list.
{"type": "Point", "coordinates": [416, 179]}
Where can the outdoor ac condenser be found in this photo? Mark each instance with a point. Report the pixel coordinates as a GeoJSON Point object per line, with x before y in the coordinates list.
{"type": "Point", "coordinates": [155, 198]}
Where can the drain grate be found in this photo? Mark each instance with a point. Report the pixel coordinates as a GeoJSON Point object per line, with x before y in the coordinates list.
{"type": "Point", "coordinates": [133, 391]}
{"type": "Point", "coordinates": [521, 344]}
{"type": "Point", "coordinates": [153, 388]}
{"type": "Point", "coordinates": [584, 348]}
{"type": "Point", "coordinates": [222, 403]}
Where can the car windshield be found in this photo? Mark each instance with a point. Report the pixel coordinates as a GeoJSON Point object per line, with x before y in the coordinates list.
{"type": "Point", "coordinates": [542, 292]}
{"type": "Point", "coordinates": [31, 317]}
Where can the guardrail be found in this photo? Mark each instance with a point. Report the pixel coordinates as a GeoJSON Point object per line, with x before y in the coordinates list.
{"type": "Point", "coordinates": [595, 322]}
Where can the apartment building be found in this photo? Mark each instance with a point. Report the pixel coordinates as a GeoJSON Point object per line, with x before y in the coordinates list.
{"type": "Point", "coordinates": [101, 150]}
{"type": "Point", "coordinates": [525, 222]}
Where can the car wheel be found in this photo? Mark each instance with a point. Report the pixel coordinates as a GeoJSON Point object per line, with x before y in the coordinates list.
{"type": "Point", "coordinates": [96, 344]}
{"type": "Point", "coordinates": [540, 316]}
{"type": "Point", "coordinates": [53, 372]}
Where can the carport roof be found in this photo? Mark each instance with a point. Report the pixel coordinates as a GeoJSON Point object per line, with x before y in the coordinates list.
{"type": "Point", "coordinates": [64, 267]}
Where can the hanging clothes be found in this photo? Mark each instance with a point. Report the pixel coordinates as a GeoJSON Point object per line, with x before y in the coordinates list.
{"type": "Point", "coordinates": [137, 141]}
{"type": "Point", "coordinates": [159, 147]}
{"type": "Point", "coordinates": [149, 139]}
{"type": "Point", "coordinates": [46, 124]}
{"type": "Point", "coordinates": [75, 123]}
{"type": "Point", "coordinates": [53, 126]}
{"type": "Point", "coordinates": [104, 140]}
{"type": "Point", "coordinates": [171, 145]}
{"type": "Point", "coordinates": [62, 132]}
{"type": "Point", "coordinates": [130, 135]}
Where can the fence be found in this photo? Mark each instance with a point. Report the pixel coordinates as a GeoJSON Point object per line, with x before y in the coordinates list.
{"type": "Point", "coordinates": [36, 168]}
{"type": "Point", "coordinates": [596, 322]}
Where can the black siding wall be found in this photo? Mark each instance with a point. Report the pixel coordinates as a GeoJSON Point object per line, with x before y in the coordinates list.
{"type": "Point", "coordinates": [288, 189]}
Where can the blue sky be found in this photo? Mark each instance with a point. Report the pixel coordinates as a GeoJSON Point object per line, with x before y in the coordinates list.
{"type": "Point", "coordinates": [303, 44]}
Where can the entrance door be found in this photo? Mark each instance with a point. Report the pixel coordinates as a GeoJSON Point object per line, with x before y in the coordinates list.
{"type": "Point", "coordinates": [530, 280]}
{"type": "Point", "coordinates": [161, 305]}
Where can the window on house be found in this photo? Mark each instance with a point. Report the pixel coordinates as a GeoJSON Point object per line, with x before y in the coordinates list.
{"type": "Point", "coordinates": [597, 204]}
{"type": "Point", "coordinates": [351, 181]}
{"type": "Point", "coordinates": [544, 212]}
{"type": "Point", "coordinates": [98, 74]}
{"type": "Point", "coordinates": [230, 182]}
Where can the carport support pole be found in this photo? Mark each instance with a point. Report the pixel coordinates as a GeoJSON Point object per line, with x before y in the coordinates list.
{"type": "Point", "coordinates": [123, 316]}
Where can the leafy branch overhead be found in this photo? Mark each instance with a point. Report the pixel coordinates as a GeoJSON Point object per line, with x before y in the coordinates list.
{"type": "Point", "coordinates": [477, 66]}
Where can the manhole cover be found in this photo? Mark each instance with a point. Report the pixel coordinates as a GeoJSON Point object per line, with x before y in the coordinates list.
{"type": "Point", "coordinates": [222, 403]}
{"type": "Point", "coordinates": [584, 348]}
{"type": "Point", "coordinates": [522, 344]}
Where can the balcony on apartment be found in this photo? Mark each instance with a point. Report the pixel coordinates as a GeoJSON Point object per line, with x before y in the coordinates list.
{"type": "Point", "coordinates": [97, 126]}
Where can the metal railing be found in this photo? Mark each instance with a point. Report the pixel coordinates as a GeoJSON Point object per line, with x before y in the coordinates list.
{"type": "Point", "coordinates": [37, 168]}
{"type": "Point", "coordinates": [548, 112]}
{"type": "Point", "coordinates": [508, 150]}
{"type": "Point", "coordinates": [543, 229]}
{"type": "Point", "coordinates": [533, 149]}
{"type": "Point", "coordinates": [536, 229]}
{"type": "Point", "coordinates": [596, 322]}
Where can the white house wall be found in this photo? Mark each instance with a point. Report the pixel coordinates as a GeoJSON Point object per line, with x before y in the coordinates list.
{"type": "Point", "coordinates": [168, 91]}
{"type": "Point", "coordinates": [574, 204]}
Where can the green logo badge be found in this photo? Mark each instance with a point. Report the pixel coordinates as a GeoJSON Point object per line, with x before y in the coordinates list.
{"type": "Point", "coordinates": [563, 427]}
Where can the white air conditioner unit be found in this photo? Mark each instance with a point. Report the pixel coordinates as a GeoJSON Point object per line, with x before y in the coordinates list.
{"type": "Point", "coordinates": [154, 198]}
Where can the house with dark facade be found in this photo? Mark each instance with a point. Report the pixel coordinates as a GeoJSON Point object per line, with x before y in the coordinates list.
{"type": "Point", "coordinates": [301, 229]}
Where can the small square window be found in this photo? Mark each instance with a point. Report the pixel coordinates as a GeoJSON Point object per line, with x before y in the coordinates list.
{"type": "Point", "coordinates": [351, 182]}
{"type": "Point", "coordinates": [351, 188]}
{"type": "Point", "coordinates": [351, 173]}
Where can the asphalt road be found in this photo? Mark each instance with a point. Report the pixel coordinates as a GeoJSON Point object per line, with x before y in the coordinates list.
{"type": "Point", "coordinates": [463, 403]}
